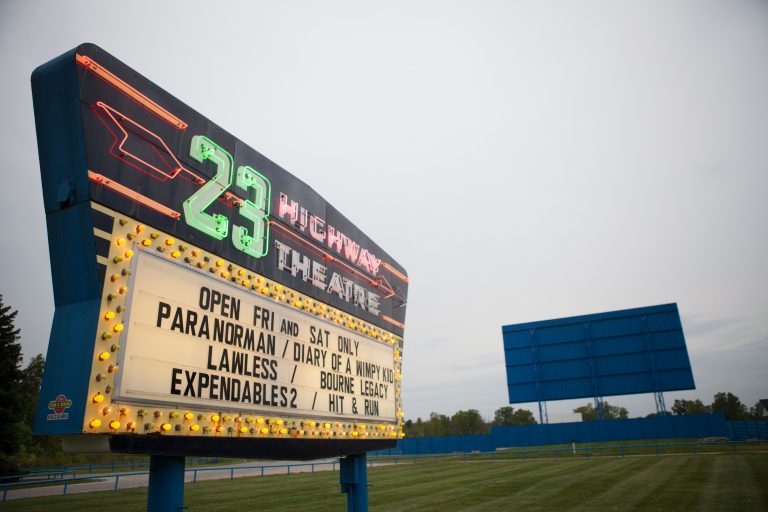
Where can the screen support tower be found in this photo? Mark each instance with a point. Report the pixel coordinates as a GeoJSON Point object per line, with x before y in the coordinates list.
{"type": "Point", "coordinates": [543, 413]}
{"type": "Point", "coordinates": [599, 407]}
{"type": "Point", "coordinates": [661, 407]}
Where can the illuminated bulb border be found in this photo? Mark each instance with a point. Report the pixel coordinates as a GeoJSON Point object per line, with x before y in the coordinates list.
{"type": "Point", "coordinates": [103, 416]}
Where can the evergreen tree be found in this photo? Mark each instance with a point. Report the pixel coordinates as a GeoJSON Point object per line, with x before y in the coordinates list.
{"type": "Point", "coordinates": [10, 380]}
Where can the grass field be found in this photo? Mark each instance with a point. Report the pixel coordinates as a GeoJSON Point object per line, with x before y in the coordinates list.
{"type": "Point", "coordinates": [676, 482]}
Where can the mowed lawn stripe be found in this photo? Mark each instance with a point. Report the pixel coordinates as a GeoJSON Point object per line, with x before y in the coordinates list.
{"type": "Point", "coordinates": [625, 489]}
{"type": "Point", "coordinates": [546, 493]}
{"type": "Point", "coordinates": [457, 484]}
{"type": "Point", "coordinates": [728, 477]}
{"type": "Point", "coordinates": [488, 485]}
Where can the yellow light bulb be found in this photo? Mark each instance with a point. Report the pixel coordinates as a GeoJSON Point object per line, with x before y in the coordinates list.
{"type": "Point", "coordinates": [219, 263]}
{"type": "Point", "coordinates": [118, 328]}
{"type": "Point", "coordinates": [114, 425]}
{"type": "Point", "coordinates": [243, 430]}
{"type": "Point", "coordinates": [278, 421]}
{"type": "Point", "coordinates": [188, 416]}
{"type": "Point", "coordinates": [194, 428]}
{"type": "Point", "coordinates": [215, 417]}
{"type": "Point", "coordinates": [128, 253]}
{"type": "Point", "coordinates": [166, 427]}
{"type": "Point", "coordinates": [283, 431]}
{"type": "Point", "coordinates": [170, 241]}
{"type": "Point", "coordinates": [264, 430]}
{"type": "Point", "coordinates": [98, 398]}
{"type": "Point", "coordinates": [103, 356]}
{"type": "Point", "coordinates": [94, 423]}
{"type": "Point", "coordinates": [260, 420]}
{"type": "Point", "coordinates": [109, 315]}
{"type": "Point", "coordinates": [175, 254]}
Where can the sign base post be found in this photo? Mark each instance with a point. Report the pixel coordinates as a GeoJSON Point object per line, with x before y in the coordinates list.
{"type": "Point", "coordinates": [166, 483]}
{"type": "Point", "coordinates": [354, 481]}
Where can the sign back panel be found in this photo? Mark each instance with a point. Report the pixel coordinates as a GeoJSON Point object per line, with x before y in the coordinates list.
{"type": "Point", "coordinates": [639, 350]}
{"type": "Point", "coordinates": [200, 289]}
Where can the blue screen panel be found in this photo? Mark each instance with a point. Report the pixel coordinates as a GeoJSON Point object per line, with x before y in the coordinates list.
{"type": "Point", "coordinates": [639, 350]}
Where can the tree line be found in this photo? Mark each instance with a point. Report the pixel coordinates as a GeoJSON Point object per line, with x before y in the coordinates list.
{"type": "Point", "coordinates": [724, 402]}
{"type": "Point", "coordinates": [467, 422]}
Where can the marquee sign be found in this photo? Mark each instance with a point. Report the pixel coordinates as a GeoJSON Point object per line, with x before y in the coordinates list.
{"type": "Point", "coordinates": [202, 292]}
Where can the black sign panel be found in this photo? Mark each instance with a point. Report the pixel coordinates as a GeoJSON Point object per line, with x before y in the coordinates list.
{"type": "Point", "coordinates": [155, 159]}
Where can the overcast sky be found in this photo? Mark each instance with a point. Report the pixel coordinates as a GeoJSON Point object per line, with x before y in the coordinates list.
{"type": "Point", "coordinates": [523, 160]}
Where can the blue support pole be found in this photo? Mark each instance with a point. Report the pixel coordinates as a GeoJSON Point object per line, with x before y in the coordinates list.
{"type": "Point", "coordinates": [166, 483]}
{"type": "Point", "coordinates": [354, 481]}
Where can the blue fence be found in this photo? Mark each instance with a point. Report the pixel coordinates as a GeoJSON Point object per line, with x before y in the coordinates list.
{"type": "Point", "coordinates": [743, 430]}
{"type": "Point", "coordinates": [693, 426]}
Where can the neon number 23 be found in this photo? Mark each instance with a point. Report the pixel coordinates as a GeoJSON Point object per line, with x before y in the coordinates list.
{"type": "Point", "coordinates": [215, 225]}
{"type": "Point", "coordinates": [255, 209]}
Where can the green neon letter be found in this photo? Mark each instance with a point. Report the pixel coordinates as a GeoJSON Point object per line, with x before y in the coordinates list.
{"type": "Point", "coordinates": [215, 225]}
{"type": "Point", "coordinates": [255, 210]}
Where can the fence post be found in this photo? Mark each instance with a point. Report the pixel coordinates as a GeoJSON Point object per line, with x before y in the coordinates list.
{"type": "Point", "coordinates": [64, 491]}
{"type": "Point", "coordinates": [117, 481]}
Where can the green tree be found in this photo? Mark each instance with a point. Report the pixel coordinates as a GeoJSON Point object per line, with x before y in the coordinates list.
{"type": "Point", "coordinates": [437, 425]}
{"type": "Point", "coordinates": [730, 405]}
{"type": "Point", "coordinates": [29, 391]}
{"type": "Point", "coordinates": [10, 380]}
{"type": "Point", "coordinates": [509, 416]}
{"type": "Point", "coordinates": [414, 428]}
{"type": "Point", "coordinates": [681, 407]}
{"type": "Point", "coordinates": [757, 411]}
{"type": "Point", "coordinates": [467, 423]}
{"type": "Point", "coordinates": [610, 412]}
